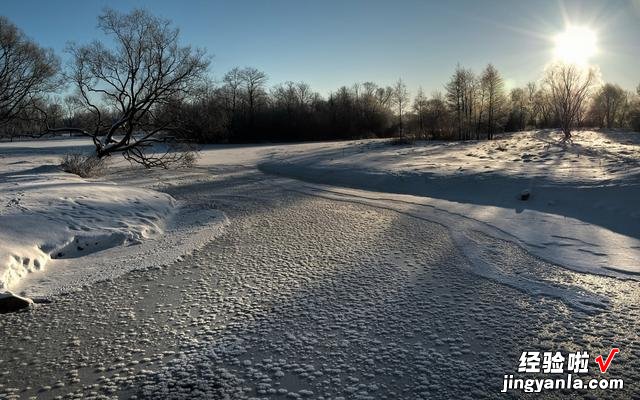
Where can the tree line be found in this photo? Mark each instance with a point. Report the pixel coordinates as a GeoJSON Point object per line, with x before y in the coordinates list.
{"type": "Point", "coordinates": [146, 88]}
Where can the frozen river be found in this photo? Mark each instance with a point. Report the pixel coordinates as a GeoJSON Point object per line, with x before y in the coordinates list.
{"type": "Point", "coordinates": [306, 295]}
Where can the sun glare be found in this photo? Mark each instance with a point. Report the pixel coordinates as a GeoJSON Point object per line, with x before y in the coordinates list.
{"type": "Point", "coordinates": [576, 45]}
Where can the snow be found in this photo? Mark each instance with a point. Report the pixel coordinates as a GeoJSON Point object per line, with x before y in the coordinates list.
{"type": "Point", "coordinates": [580, 214]}
{"type": "Point", "coordinates": [58, 231]}
{"type": "Point", "coordinates": [335, 292]}
{"type": "Point", "coordinates": [582, 211]}
{"type": "Point", "coordinates": [52, 215]}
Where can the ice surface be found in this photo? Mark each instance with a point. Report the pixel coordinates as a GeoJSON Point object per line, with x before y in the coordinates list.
{"type": "Point", "coordinates": [581, 213]}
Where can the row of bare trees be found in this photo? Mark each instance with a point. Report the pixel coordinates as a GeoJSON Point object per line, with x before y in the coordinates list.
{"type": "Point", "coordinates": [476, 102]}
{"type": "Point", "coordinates": [567, 97]}
{"type": "Point", "coordinates": [242, 108]}
{"type": "Point", "coordinates": [614, 107]}
{"type": "Point", "coordinates": [142, 93]}
{"type": "Point", "coordinates": [472, 107]}
{"type": "Point", "coordinates": [571, 97]}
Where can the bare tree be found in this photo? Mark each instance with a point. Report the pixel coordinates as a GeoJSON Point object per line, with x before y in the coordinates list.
{"type": "Point", "coordinates": [384, 97]}
{"type": "Point", "coordinates": [232, 89]}
{"type": "Point", "coordinates": [455, 90]}
{"type": "Point", "coordinates": [543, 108]}
{"type": "Point", "coordinates": [634, 110]}
{"type": "Point", "coordinates": [304, 95]}
{"type": "Point", "coordinates": [609, 103]}
{"type": "Point", "coordinates": [519, 110]}
{"type": "Point", "coordinates": [532, 111]}
{"type": "Point", "coordinates": [400, 98]}
{"type": "Point", "coordinates": [254, 82]}
{"type": "Point", "coordinates": [461, 96]}
{"type": "Point", "coordinates": [285, 96]}
{"type": "Point", "coordinates": [127, 87]}
{"type": "Point", "coordinates": [570, 87]}
{"type": "Point", "coordinates": [493, 87]}
{"type": "Point", "coordinates": [470, 103]}
{"type": "Point", "coordinates": [436, 118]}
{"type": "Point", "coordinates": [374, 102]}
{"type": "Point", "coordinates": [27, 72]}
{"type": "Point", "coordinates": [420, 108]}
{"type": "Point", "coordinates": [480, 99]}
{"type": "Point", "coordinates": [369, 101]}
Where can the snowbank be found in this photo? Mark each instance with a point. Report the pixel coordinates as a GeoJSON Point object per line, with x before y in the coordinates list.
{"type": "Point", "coordinates": [188, 228]}
{"type": "Point", "coordinates": [59, 231]}
{"type": "Point", "coordinates": [582, 212]}
{"type": "Point", "coordinates": [48, 214]}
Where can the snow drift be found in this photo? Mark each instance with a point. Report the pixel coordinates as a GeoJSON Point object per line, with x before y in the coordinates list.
{"type": "Point", "coordinates": [59, 232]}
{"type": "Point", "coordinates": [48, 215]}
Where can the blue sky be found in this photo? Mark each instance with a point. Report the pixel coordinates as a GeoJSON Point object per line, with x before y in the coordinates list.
{"type": "Point", "coordinates": [333, 43]}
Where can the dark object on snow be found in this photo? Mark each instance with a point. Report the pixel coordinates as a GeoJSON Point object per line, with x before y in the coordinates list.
{"type": "Point", "coordinates": [525, 194]}
{"type": "Point", "coordinates": [9, 302]}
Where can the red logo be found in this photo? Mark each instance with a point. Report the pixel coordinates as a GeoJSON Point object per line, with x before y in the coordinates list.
{"type": "Point", "coordinates": [604, 365]}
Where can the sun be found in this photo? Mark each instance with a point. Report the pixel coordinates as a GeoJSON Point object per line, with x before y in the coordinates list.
{"type": "Point", "coordinates": [576, 45]}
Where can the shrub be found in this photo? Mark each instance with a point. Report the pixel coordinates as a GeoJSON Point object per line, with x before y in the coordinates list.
{"type": "Point", "coordinates": [189, 159]}
{"type": "Point", "coordinates": [402, 141]}
{"type": "Point", "coordinates": [83, 165]}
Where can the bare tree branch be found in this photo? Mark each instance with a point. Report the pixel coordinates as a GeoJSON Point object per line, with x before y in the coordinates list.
{"type": "Point", "coordinates": [27, 72]}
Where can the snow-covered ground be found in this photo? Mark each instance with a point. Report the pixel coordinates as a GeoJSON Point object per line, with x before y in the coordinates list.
{"type": "Point", "coordinates": [582, 212]}
{"type": "Point", "coordinates": [59, 231]}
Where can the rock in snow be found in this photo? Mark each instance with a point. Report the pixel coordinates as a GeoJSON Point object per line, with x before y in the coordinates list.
{"type": "Point", "coordinates": [10, 302]}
